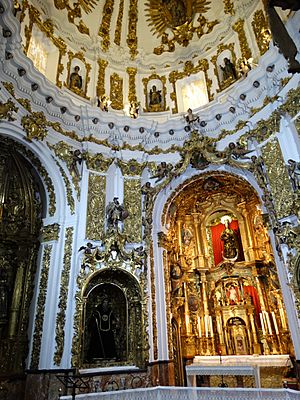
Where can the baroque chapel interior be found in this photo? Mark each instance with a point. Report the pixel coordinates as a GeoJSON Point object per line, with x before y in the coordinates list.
{"type": "Point", "coordinates": [149, 199]}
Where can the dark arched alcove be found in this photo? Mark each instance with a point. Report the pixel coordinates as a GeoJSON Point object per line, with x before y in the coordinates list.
{"type": "Point", "coordinates": [20, 223]}
{"type": "Point", "coordinates": [112, 320]}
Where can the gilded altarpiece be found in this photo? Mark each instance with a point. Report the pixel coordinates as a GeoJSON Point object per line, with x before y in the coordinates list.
{"type": "Point", "coordinates": [95, 206]}
{"type": "Point", "coordinates": [221, 277]}
{"type": "Point", "coordinates": [278, 178]}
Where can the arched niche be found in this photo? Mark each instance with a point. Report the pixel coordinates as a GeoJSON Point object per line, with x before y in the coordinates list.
{"type": "Point", "coordinates": [21, 210]}
{"type": "Point", "coordinates": [112, 321]}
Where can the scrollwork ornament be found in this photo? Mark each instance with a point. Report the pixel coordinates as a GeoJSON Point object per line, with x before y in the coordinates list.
{"type": "Point", "coordinates": [40, 310]}
{"type": "Point", "coordinates": [72, 158]}
{"type": "Point", "coordinates": [282, 194]}
{"type": "Point", "coordinates": [95, 207]}
{"type": "Point", "coordinates": [35, 126]}
{"type": "Point", "coordinates": [63, 297]}
{"type": "Point", "coordinates": [50, 232]}
{"type": "Point", "coordinates": [7, 109]}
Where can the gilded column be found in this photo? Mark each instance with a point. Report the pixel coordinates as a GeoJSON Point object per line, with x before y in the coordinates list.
{"type": "Point", "coordinates": [16, 302]}
{"type": "Point", "coordinates": [200, 256]}
{"type": "Point", "coordinates": [179, 230]}
{"type": "Point", "coordinates": [256, 345]}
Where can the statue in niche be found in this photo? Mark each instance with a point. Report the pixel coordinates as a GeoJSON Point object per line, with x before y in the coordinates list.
{"type": "Point", "coordinates": [228, 69]}
{"type": "Point", "coordinates": [232, 294]}
{"type": "Point", "coordinates": [176, 279]}
{"type": "Point", "coordinates": [103, 327]}
{"type": "Point", "coordinates": [76, 80]}
{"type": "Point", "coordinates": [229, 239]}
{"type": "Point", "coordinates": [293, 168]}
{"type": "Point", "coordinates": [187, 235]}
{"type": "Point", "coordinates": [155, 99]}
{"type": "Point", "coordinates": [115, 213]}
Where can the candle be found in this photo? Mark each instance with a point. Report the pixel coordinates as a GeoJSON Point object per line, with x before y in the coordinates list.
{"type": "Point", "coordinates": [199, 326]}
{"type": "Point", "coordinates": [275, 323]}
{"type": "Point", "coordinates": [282, 317]}
{"type": "Point", "coordinates": [268, 322]}
{"type": "Point", "coordinates": [211, 327]}
{"type": "Point", "coordinates": [262, 323]}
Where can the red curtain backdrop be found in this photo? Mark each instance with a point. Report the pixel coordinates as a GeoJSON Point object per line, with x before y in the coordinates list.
{"type": "Point", "coordinates": [217, 243]}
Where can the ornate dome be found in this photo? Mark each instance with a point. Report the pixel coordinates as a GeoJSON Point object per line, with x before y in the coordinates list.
{"type": "Point", "coordinates": [124, 50]}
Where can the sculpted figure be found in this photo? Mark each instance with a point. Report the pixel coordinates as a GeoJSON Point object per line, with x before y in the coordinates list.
{"type": "Point", "coordinates": [176, 279]}
{"type": "Point", "coordinates": [134, 109]}
{"type": "Point", "coordinates": [115, 212]}
{"type": "Point", "coordinates": [155, 99]}
{"type": "Point", "coordinates": [76, 79]}
{"type": "Point", "coordinates": [76, 160]}
{"type": "Point", "coordinates": [103, 327]}
{"type": "Point", "coordinates": [148, 191]}
{"type": "Point", "coordinates": [293, 168]}
{"type": "Point", "coordinates": [237, 151]}
{"type": "Point", "coordinates": [103, 103]}
{"type": "Point", "coordinates": [228, 70]}
{"type": "Point", "coordinates": [162, 171]}
{"type": "Point", "coordinates": [229, 238]}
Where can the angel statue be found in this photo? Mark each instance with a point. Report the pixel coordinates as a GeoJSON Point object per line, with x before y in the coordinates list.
{"type": "Point", "coordinates": [115, 213]}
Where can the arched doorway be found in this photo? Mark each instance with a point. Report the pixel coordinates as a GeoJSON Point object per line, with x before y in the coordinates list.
{"type": "Point", "coordinates": [20, 222]}
{"type": "Point", "coordinates": [222, 279]}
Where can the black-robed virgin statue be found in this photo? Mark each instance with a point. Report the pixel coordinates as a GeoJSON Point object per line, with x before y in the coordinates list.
{"type": "Point", "coordinates": [103, 327]}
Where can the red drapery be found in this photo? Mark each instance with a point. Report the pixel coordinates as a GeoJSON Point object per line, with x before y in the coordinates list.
{"type": "Point", "coordinates": [218, 246]}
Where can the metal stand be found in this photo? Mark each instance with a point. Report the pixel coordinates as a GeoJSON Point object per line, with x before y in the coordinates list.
{"type": "Point", "coordinates": [73, 382]}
